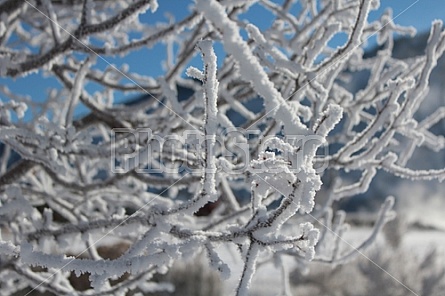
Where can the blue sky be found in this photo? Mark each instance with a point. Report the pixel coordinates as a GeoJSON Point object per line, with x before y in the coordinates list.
{"type": "Point", "coordinates": [419, 15]}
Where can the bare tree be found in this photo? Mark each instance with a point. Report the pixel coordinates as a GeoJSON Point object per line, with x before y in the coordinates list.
{"type": "Point", "coordinates": [141, 174]}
